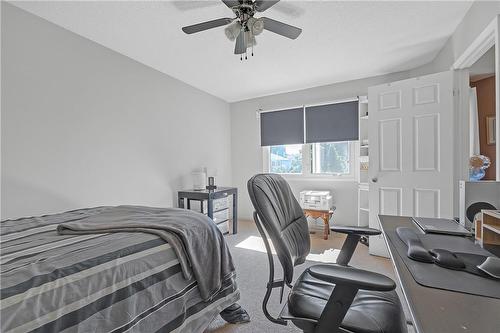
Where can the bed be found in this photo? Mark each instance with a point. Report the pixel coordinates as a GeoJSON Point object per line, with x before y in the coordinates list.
{"type": "Point", "coordinates": [102, 281]}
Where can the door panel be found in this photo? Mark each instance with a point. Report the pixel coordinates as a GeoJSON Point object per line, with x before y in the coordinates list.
{"type": "Point", "coordinates": [390, 144]}
{"type": "Point", "coordinates": [390, 100]}
{"type": "Point", "coordinates": [426, 94]}
{"type": "Point", "coordinates": [426, 202]}
{"type": "Point", "coordinates": [390, 201]}
{"type": "Point", "coordinates": [411, 150]}
{"type": "Point", "coordinates": [426, 139]}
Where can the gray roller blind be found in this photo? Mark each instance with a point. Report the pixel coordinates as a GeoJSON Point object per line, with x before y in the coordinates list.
{"type": "Point", "coordinates": [283, 127]}
{"type": "Point", "coordinates": [332, 122]}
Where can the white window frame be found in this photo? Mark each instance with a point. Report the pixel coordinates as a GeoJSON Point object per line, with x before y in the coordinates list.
{"type": "Point", "coordinates": [307, 173]}
{"type": "Point", "coordinates": [352, 157]}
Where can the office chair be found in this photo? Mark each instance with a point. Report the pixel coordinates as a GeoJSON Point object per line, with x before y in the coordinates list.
{"type": "Point", "coordinates": [325, 297]}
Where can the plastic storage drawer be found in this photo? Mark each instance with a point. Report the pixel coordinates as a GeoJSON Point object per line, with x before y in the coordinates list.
{"type": "Point", "coordinates": [220, 204]}
{"type": "Point", "coordinates": [223, 227]}
{"type": "Point", "coordinates": [221, 216]}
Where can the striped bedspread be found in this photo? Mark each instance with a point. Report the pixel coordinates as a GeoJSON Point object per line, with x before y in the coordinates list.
{"type": "Point", "coordinates": [120, 282]}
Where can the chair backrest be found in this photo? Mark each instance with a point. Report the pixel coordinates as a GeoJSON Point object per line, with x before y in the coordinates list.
{"type": "Point", "coordinates": [283, 219]}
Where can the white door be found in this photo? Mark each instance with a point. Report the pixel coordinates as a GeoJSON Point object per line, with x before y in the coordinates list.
{"type": "Point", "coordinates": [411, 150]}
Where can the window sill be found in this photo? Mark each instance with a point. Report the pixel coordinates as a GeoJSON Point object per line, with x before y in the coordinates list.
{"type": "Point", "coordinates": [308, 178]}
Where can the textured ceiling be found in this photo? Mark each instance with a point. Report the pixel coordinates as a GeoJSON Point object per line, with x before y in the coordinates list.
{"type": "Point", "coordinates": [340, 40]}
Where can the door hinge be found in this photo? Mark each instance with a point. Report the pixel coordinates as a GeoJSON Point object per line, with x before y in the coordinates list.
{"type": "Point", "coordinates": [456, 92]}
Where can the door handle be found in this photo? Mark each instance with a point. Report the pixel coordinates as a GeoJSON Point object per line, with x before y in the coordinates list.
{"type": "Point", "coordinates": [374, 179]}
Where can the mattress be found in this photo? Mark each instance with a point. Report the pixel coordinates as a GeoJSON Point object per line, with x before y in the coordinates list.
{"type": "Point", "coordinates": [119, 282]}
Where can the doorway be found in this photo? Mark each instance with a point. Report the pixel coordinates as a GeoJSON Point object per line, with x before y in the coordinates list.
{"type": "Point", "coordinates": [482, 112]}
{"type": "Point", "coordinates": [485, 46]}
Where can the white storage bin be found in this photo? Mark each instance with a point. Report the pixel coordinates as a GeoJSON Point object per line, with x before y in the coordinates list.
{"type": "Point", "coordinates": [220, 204]}
{"type": "Point", "coordinates": [223, 227]}
{"type": "Point", "coordinates": [196, 206]}
{"type": "Point", "coordinates": [221, 216]}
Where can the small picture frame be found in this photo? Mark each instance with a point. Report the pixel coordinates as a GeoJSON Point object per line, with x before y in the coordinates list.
{"type": "Point", "coordinates": [491, 130]}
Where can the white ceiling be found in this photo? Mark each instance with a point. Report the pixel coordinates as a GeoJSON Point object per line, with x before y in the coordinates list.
{"type": "Point", "coordinates": [340, 40]}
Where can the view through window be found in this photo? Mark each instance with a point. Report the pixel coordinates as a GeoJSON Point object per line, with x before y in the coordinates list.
{"type": "Point", "coordinates": [286, 159]}
{"type": "Point", "coordinates": [330, 158]}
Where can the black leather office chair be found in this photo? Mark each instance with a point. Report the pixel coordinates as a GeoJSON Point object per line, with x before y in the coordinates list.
{"type": "Point", "coordinates": [326, 297]}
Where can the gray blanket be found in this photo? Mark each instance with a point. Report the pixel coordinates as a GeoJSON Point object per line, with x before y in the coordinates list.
{"type": "Point", "coordinates": [198, 243]}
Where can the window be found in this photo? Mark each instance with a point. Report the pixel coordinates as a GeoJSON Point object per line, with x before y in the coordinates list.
{"type": "Point", "coordinates": [285, 159]}
{"type": "Point", "coordinates": [311, 141]}
{"type": "Point", "coordinates": [328, 159]}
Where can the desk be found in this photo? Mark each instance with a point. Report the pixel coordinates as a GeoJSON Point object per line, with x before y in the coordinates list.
{"type": "Point", "coordinates": [210, 196]}
{"type": "Point", "coordinates": [440, 311]}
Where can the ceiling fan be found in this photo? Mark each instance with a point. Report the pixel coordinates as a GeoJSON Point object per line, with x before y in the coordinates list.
{"type": "Point", "coordinates": [244, 27]}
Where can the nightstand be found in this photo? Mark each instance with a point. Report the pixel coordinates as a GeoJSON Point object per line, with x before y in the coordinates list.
{"type": "Point", "coordinates": [215, 207]}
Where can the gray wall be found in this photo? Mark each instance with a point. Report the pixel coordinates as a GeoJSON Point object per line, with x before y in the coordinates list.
{"type": "Point", "coordinates": [474, 22]}
{"type": "Point", "coordinates": [83, 125]}
{"type": "Point", "coordinates": [246, 152]}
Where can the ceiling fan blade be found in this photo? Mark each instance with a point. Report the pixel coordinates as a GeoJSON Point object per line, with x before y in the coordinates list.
{"type": "Point", "coordinates": [281, 28]}
{"type": "Point", "coordinates": [191, 29]}
{"type": "Point", "coordinates": [262, 5]}
{"type": "Point", "coordinates": [241, 43]}
{"type": "Point", "coordinates": [231, 3]}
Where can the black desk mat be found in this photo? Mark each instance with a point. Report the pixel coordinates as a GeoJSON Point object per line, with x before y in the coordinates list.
{"type": "Point", "coordinates": [431, 275]}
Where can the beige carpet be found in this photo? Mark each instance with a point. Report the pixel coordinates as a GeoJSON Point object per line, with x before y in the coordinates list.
{"type": "Point", "coordinates": [252, 269]}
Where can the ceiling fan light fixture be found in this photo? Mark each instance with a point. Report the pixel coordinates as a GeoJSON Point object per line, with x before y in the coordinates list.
{"type": "Point", "coordinates": [251, 41]}
{"type": "Point", "coordinates": [256, 25]}
{"type": "Point", "coordinates": [243, 26]}
{"type": "Point", "coordinates": [233, 30]}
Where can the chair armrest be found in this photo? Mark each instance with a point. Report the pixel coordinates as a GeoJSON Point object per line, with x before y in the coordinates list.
{"type": "Point", "coordinates": [353, 236]}
{"type": "Point", "coordinates": [361, 231]}
{"type": "Point", "coordinates": [353, 277]}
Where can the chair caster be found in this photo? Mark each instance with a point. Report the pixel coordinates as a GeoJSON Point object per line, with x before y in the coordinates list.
{"type": "Point", "coordinates": [364, 240]}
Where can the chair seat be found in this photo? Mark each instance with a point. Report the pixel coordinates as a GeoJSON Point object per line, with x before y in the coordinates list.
{"type": "Point", "coordinates": [370, 312]}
